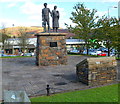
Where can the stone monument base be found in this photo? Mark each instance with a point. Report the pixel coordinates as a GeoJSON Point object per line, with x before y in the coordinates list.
{"type": "Point", "coordinates": [97, 71]}
{"type": "Point", "coordinates": [51, 49]}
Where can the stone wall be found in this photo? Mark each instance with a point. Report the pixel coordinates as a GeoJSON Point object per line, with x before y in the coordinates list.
{"type": "Point", "coordinates": [97, 71]}
{"type": "Point", "coordinates": [51, 49]}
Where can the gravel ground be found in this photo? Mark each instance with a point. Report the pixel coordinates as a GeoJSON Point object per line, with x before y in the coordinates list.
{"type": "Point", "coordinates": [23, 74]}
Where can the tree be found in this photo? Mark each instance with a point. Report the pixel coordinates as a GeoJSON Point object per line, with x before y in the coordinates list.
{"type": "Point", "coordinates": [4, 36]}
{"type": "Point", "coordinates": [84, 20]}
{"type": "Point", "coordinates": [95, 43]}
{"type": "Point", "coordinates": [23, 37]}
{"type": "Point", "coordinates": [107, 31]}
{"type": "Point", "coordinates": [116, 37]}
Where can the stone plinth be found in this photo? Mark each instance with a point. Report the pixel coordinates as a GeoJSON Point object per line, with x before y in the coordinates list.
{"type": "Point", "coordinates": [51, 49]}
{"type": "Point", "coordinates": [97, 71]}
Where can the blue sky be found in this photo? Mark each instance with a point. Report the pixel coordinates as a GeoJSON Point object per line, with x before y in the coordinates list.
{"type": "Point", "coordinates": [28, 12]}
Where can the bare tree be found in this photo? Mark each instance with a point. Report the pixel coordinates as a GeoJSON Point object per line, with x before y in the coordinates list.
{"type": "Point", "coordinates": [4, 37]}
{"type": "Point", "coordinates": [23, 38]}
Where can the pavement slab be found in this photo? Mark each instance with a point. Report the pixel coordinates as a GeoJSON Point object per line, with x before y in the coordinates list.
{"type": "Point", "coordinates": [23, 74]}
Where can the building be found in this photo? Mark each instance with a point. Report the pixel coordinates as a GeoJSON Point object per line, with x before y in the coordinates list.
{"type": "Point", "coordinates": [119, 10]}
{"type": "Point", "coordinates": [72, 44]}
{"type": "Point", "coordinates": [12, 45]}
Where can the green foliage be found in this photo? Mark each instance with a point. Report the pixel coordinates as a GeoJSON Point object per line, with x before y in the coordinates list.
{"type": "Point", "coordinates": [94, 43]}
{"type": "Point", "coordinates": [101, 94]}
{"type": "Point", "coordinates": [14, 56]}
{"type": "Point", "coordinates": [116, 38]}
{"type": "Point", "coordinates": [84, 20]}
{"type": "Point", "coordinates": [107, 31]}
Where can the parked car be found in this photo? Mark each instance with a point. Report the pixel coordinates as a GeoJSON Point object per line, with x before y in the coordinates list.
{"type": "Point", "coordinates": [84, 52]}
{"type": "Point", "coordinates": [4, 55]}
{"type": "Point", "coordinates": [112, 54]}
{"type": "Point", "coordinates": [104, 49]}
{"type": "Point", "coordinates": [74, 51]}
{"type": "Point", "coordinates": [27, 54]}
{"type": "Point", "coordinates": [33, 54]}
{"type": "Point", "coordinates": [95, 53]}
{"type": "Point", "coordinates": [102, 54]}
{"type": "Point", "coordinates": [89, 52]}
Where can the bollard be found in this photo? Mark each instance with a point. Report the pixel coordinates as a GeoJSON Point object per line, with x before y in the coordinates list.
{"type": "Point", "coordinates": [48, 90]}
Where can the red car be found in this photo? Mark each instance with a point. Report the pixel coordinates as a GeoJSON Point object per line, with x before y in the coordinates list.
{"type": "Point", "coordinates": [102, 54]}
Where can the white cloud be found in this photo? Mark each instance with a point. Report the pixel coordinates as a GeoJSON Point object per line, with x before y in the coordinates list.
{"type": "Point", "coordinates": [12, 5]}
{"type": "Point", "coordinates": [34, 12]}
{"type": "Point", "coordinates": [61, 0]}
{"type": "Point", "coordinates": [14, 0]}
{"type": "Point", "coordinates": [101, 13]}
{"type": "Point", "coordinates": [7, 22]}
{"type": "Point", "coordinates": [10, 22]}
{"type": "Point", "coordinates": [33, 16]}
{"type": "Point", "coordinates": [31, 8]}
{"type": "Point", "coordinates": [110, 0]}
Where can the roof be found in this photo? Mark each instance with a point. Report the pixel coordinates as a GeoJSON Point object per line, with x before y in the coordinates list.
{"type": "Point", "coordinates": [75, 41]}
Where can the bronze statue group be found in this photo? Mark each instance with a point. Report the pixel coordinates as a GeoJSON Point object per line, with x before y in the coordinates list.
{"type": "Point", "coordinates": [45, 18]}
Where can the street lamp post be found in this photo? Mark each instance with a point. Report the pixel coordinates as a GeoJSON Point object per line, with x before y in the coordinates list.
{"type": "Point", "coordinates": [109, 42]}
{"type": "Point", "coordinates": [109, 11]}
{"type": "Point", "coordinates": [13, 38]}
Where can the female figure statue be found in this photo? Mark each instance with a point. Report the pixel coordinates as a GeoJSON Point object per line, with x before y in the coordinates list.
{"type": "Point", "coordinates": [55, 19]}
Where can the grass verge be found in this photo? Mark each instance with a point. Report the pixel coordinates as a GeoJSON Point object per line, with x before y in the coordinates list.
{"type": "Point", "coordinates": [14, 56]}
{"type": "Point", "coordinates": [73, 54]}
{"type": "Point", "coordinates": [118, 58]}
{"type": "Point", "coordinates": [101, 94]}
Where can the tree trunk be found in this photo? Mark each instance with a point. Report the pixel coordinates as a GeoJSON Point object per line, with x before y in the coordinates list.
{"type": "Point", "coordinates": [87, 51]}
{"type": "Point", "coordinates": [108, 51]}
{"type": "Point", "coordinates": [108, 45]}
{"type": "Point", "coordinates": [87, 47]}
{"type": "Point", "coordinates": [118, 54]}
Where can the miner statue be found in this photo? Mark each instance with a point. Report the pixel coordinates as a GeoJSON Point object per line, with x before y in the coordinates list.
{"type": "Point", "coordinates": [45, 17]}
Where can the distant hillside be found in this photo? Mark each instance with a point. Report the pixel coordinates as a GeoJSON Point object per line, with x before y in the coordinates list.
{"type": "Point", "coordinates": [13, 31]}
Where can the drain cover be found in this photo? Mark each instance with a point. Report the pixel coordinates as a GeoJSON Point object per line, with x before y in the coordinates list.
{"type": "Point", "coordinates": [6, 72]}
{"type": "Point", "coordinates": [57, 75]}
{"type": "Point", "coordinates": [61, 83]}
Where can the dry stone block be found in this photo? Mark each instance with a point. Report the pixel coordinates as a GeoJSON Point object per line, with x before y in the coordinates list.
{"type": "Point", "coordinates": [97, 71]}
{"type": "Point", "coordinates": [51, 49]}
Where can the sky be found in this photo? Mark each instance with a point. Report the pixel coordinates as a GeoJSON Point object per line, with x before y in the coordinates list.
{"type": "Point", "coordinates": [28, 12]}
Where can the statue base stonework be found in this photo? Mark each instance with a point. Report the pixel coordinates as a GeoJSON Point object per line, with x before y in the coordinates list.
{"type": "Point", "coordinates": [51, 49]}
{"type": "Point", "coordinates": [97, 71]}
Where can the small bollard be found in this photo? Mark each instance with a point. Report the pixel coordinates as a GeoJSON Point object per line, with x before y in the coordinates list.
{"type": "Point", "coordinates": [48, 90]}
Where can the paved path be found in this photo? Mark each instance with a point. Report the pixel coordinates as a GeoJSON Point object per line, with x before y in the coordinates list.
{"type": "Point", "coordinates": [0, 81]}
{"type": "Point", "coordinates": [23, 74]}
